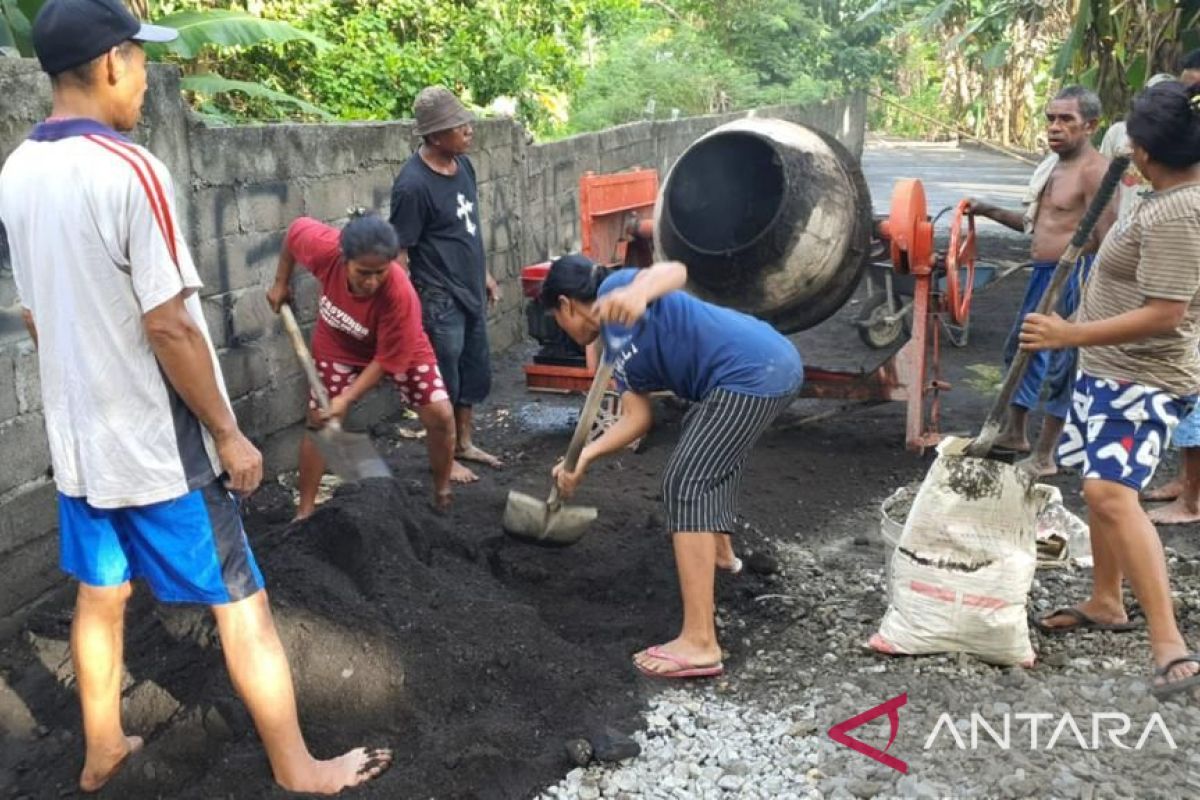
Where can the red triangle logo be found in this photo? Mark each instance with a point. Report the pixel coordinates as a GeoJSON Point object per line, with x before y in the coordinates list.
{"type": "Point", "coordinates": [891, 708]}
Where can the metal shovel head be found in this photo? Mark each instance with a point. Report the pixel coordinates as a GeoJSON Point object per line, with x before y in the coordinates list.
{"type": "Point", "coordinates": [531, 519]}
{"type": "Point", "coordinates": [350, 455]}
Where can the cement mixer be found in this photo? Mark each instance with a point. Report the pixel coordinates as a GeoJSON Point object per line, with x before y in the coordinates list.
{"type": "Point", "coordinates": [775, 219]}
{"type": "Point", "coordinates": [772, 218]}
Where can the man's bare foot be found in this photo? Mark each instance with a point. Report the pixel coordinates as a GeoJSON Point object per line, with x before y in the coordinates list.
{"type": "Point", "coordinates": [1041, 468]}
{"type": "Point", "coordinates": [1018, 444]}
{"type": "Point", "coordinates": [442, 500]}
{"type": "Point", "coordinates": [460, 474]}
{"type": "Point", "coordinates": [473, 453]}
{"type": "Point", "coordinates": [330, 777]}
{"type": "Point", "coordinates": [685, 652]}
{"type": "Point", "coordinates": [1168, 491]}
{"type": "Point", "coordinates": [98, 768]}
{"type": "Point", "coordinates": [1178, 512]}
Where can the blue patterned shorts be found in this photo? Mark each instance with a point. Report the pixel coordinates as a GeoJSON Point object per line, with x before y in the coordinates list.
{"type": "Point", "coordinates": [1117, 431]}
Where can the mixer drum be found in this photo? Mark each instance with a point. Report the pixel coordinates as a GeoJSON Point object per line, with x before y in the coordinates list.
{"type": "Point", "coordinates": [771, 217]}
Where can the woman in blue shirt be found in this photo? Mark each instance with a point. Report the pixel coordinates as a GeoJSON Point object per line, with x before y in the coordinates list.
{"type": "Point", "coordinates": [740, 374]}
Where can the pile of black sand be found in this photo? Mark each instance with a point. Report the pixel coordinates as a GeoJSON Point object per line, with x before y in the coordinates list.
{"type": "Point", "coordinates": [473, 655]}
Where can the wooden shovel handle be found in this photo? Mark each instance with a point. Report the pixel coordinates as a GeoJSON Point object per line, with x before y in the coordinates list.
{"type": "Point", "coordinates": [587, 416]}
{"type": "Point", "coordinates": [1066, 263]}
{"type": "Point", "coordinates": [306, 361]}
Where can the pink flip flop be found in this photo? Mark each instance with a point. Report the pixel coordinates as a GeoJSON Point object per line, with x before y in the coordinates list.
{"type": "Point", "coordinates": [686, 668]}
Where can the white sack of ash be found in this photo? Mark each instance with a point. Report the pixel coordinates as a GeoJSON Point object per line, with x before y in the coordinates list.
{"type": "Point", "coordinates": [965, 562]}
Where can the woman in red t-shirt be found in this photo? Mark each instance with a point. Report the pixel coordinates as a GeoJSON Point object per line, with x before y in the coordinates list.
{"type": "Point", "coordinates": [368, 326]}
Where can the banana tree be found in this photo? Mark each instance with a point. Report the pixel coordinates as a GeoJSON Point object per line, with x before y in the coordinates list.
{"type": "Point", "coordinates": [1115, 45]}
{"type": "Point", "coordinates": [200, 32]}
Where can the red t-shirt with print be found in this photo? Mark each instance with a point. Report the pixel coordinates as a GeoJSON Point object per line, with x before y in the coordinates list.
{"type": "Point", "coordinates": [385, 327]}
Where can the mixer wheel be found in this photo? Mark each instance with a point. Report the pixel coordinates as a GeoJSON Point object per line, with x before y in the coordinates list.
{"type": "Point", "coordinates": [874, 327]}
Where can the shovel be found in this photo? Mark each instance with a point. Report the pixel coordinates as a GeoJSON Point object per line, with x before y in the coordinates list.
{"type": "Point", "coordinates": [549, 522]}
{"type": "Point", "coordinates": [982, 444]}
{"type": "Point", "coordinates": [350, 455]}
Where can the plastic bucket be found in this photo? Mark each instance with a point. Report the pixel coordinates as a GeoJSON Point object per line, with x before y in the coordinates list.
{"type": "Point", "coordinates": [890, 529]}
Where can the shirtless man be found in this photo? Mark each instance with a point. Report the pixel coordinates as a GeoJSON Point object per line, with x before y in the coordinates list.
{"type": "Point", "coordinates": [1061, 190]}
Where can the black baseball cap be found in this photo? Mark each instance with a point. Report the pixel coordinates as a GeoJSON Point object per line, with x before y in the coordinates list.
{"type": "Point", "coordinates": [67, 33]}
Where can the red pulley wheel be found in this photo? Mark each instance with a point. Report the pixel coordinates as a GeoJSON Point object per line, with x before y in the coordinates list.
{"type": "Point", "coordinates": [960, 263]}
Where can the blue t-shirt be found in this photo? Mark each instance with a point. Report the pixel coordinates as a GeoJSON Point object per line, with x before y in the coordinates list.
{"type": "Point", "coordinates": [690, 347]}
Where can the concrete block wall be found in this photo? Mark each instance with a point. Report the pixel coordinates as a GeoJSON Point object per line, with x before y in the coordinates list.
{"type": "Point", "coordinates": [237, 190]}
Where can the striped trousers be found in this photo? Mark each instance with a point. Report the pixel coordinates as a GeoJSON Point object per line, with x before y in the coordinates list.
{"type": "Point", "coordinates": [704, 475]}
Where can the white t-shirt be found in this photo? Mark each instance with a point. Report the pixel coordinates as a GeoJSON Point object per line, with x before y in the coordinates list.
{"type": "Point", "coordinates": [95, 244]}
{"type": "Point", "coordinates": [1133, 186]}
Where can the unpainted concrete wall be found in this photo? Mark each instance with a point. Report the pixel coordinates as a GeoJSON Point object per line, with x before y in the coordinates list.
{"type": "Point", "coordinates": [237, 190]}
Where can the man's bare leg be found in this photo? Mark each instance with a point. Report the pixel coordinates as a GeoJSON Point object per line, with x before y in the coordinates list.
{"type": "Point", "coordinates": [1012, 434]}
{"type": "Point", "coordinates": [1185, 507]}
{"type": "Point", "coordinates": [695, 560]}
{"type": "Point", "coordinates": [259, 671]}
{"type": "Point", "coordinates": [1042, 459]}
{"type": "Point", "coordinates": [1139, 550]}
{"type": "Point", "coordinates": [1106, 603]}
{"type": "Point", "coordinates": [97, 650]}
{"type": "Point", "coordinates": [312, 467]}
{"type": "Point", "coordinates": [464, 422]}
{"type": "Point", "coordinates": [438, 421]}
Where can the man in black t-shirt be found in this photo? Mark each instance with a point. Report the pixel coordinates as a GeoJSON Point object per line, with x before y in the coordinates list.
{"type": "Point", "coordinates": [435, 211]}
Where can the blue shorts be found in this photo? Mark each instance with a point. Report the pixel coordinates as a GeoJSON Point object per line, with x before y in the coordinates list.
{"type": "Point", "coordinates": [1188, 432]}
{"type": "Point", "coordinates": [1051, 372]}
{"type": "Point", "coordinates": [189, 550]}
{"type": "Point", "coordinates": [1117, 431]}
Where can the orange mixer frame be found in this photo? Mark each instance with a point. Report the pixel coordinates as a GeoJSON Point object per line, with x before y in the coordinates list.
{"type": "Point", "coordinates": [616, 219]}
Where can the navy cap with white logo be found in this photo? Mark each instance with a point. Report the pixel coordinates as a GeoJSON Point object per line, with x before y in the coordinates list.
{"type": "Point", "coordinates": [68, 33]}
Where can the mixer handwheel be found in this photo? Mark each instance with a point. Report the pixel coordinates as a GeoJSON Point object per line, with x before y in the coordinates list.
{"type": "Point", "coordinates": [960, 263]}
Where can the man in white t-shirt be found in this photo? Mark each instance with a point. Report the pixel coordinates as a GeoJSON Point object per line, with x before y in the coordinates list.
{"type": "Point", "coordinates": [145, 447]}
{"type": "Point", "coordinates": [1116, 143]}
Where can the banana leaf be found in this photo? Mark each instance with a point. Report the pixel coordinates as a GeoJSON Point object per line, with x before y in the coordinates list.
{"type": "Point", "coordinates": [15, 30]}
{"type": "Point", "coordinates": [230, 28]}
{"type": "Point", "coordinates": [210, 84]}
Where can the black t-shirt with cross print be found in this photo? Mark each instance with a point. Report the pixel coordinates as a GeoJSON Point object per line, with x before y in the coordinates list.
{"type": "Point", "coordinates": [437, 219]}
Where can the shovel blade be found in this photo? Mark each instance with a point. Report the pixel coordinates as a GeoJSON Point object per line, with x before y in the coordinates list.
{"type": "Point", "coordinates": [530, 519]}
{"type": "Point", "coordinates": [351, 455]}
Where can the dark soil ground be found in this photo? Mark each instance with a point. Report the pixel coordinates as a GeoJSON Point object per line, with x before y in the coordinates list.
{"type": "Point", "coordinates": [473, 655]}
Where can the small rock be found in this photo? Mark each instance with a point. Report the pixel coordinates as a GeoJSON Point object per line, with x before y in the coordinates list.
{"type": "Point", "coordinates": [588, 791]}
{"type": "Point", "coordinates": [614, 746]}
{"type": "Point", "coordinates": [579, 751]}
{"type": "Point", "coordinates": [864, 789]}
{"type": "Point", "coordinates": [730, 783]}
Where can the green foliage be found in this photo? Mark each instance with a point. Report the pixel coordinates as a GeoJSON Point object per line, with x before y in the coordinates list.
{"type": "Point", "coordinates": [207, 84]}
{"type": "Point", "coordinates": [223, 28]}
{"type": "Point", "coordinates": [564, 65]}
{"type": "Point", "coordinates": [15, 17]}
{"type": "Point", "coordinates": [1115, 46]}
{"type": "Point", "coordinates": [656, 70]}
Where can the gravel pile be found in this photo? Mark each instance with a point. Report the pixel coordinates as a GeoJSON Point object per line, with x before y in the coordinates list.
{"type": "Point", "coordinates": [762, 730]}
